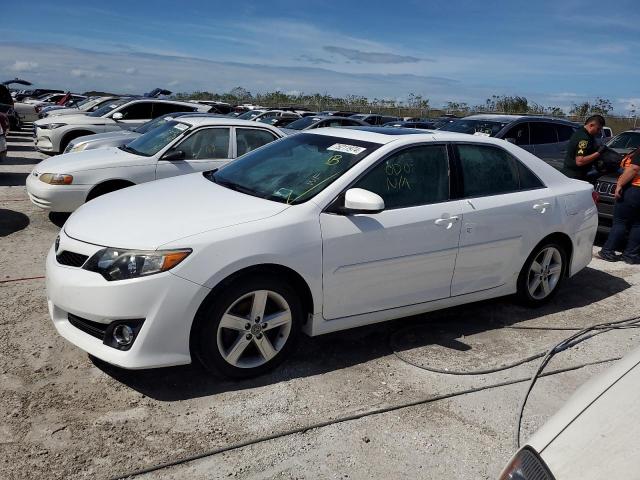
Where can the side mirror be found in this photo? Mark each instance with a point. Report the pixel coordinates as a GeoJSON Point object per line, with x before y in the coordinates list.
{"type": "Point", "coordinates": [358, 200]}
{"type": "Point", "coordinates": [117, 116]}
{"type": "Point", "coordinates": [174, 155]}
{"type": "Point", "coordinates": [511, 140]}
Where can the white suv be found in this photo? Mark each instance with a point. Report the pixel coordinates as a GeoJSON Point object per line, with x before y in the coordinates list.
{"type": "Point", "coordinates": [52, 135]}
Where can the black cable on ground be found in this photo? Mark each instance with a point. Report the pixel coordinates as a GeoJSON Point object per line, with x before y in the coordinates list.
{"type": "Point", "coordinates": [580, 336]}
{"type": "Point", "coordinates": [346, 418]}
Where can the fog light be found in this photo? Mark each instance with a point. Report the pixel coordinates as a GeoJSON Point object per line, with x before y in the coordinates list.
{"type": "Point", "coordinates": [123, 335]}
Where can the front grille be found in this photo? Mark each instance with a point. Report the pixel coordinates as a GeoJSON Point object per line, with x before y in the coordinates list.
{"type": "Point", "coordinates": [94, 329]}
{"type": "Point", "coordinates": [606, 188]}
{"type": "Point", "coordinates": [71, 259]}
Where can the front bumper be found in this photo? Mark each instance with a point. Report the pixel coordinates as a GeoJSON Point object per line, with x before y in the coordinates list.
{"type": "Point", "coordinates": [57, 198]}
{"type": "Point", "coordinates": [166, 302]}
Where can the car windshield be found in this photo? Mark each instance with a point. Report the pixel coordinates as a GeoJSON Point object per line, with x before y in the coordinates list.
{"type": "Point", "coordinates": [108, 107]}
{"type": "Point", "coordinates": [303, 123]}
{"type": "Point", "coordinates": [294, 169]}
{"type": "Point", "coordinates": [86, 102]}
{"type": "Point", "coordinates": [359, 116]}
{"type": "Point", "coordinates": [626, 140]}
{"type": "Point", "coordinates": [156, 122]}
{"type": "Point", "coordinates": [155, 140]}
{"type": "Point", "coordinates": [250, 114]}
{"type": "Point", "coordinates": [474, 127]}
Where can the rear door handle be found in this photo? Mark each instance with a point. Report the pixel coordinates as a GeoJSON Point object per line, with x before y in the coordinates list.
{"type": "Point", "coordinates": [541, 207]}
{"type": "Point", "coordinates": [448, 222]}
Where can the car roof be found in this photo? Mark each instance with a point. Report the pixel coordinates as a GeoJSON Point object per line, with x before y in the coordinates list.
{"type": "Point", "coordinates": [505, 118]}
{"type": "Point", "coordinates": [206, 120]}
{"type": "Point", "coordinates": [384, 135]}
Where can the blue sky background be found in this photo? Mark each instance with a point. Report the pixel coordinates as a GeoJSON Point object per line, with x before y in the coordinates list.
{"type": "Point", "coordinates": [553, 52]}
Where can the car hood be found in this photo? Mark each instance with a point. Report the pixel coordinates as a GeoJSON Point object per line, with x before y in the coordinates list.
{"type": "Point", "coordinates": [56, 112]}
{"type": "Point", "coordinates": [77, 119]}
{"type": "Point", "coordinates": [150, 215]}
{"type": "Point", "coordinates": [88, 160]}
{"type": "Point", "coordinates": [597, 429]}
{"type": "Point", "coordinates": [119, 134]}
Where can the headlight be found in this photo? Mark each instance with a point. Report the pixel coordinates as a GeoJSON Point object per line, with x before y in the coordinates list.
{"type": "Point", "coordinates": [76, 148]}
{"type": "Point", "coordinates": [527, 465]}
{"type": "Point", "coordinates": [52, 126]}
{"type": "Point", "coordinates": [118, 264]}
{"type": "Point", "coordinates": [56, 178]}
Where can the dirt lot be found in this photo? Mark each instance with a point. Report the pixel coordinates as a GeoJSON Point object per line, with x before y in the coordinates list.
{"type": "Point", "coordinates": [64, 416]}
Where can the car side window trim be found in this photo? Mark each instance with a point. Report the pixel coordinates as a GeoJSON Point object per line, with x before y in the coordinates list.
{"type": "Point", "coordinates": [331, 205]}
{"type": "Point", "coordinates": [457, 168]}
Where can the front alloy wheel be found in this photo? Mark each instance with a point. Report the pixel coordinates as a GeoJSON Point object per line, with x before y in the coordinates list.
{"type": "Point", "coordinates": [254, 329]}
{"type": "Point", "coordinates": [248, 327]}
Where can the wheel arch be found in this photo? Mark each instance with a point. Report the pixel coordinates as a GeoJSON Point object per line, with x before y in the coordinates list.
{"type": "Point", "coordinates": [72, 135]}
{"type": "Point", "coordinates": [277, 270]}
{"type": "Point", "coordinates": [561, 239]}
{"type": "Point", "coordinates": [107, 186]}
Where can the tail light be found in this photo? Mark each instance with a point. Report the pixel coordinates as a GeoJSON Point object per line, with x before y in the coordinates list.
{"type": "Point", "coordinates": [596, 197]}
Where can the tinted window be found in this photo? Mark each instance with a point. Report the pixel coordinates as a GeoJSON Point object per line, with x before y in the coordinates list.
{"type": "Point", "coordinates": [473, 126]}
{"type": "Point", "coordinates": [137, 111]}
{"type": "Point", "coordinates": [542, 133]}
{"type": "Point", "coordinates": [206, 143]}
{"type": "Point", "coordinates": [415, 176]}
{"type": "Point", "coordinates": [487, 170]}
{"type": "Point", "coordinates": [564, 132]}
{"type": "Point", "coordinates": [166, 108]}
{"type": "Point", "coordinates": [252, 138]}
{"type": "Point", "coordinates": [528, 179]}
{"type": "Point", "coordinates": [520, 133]}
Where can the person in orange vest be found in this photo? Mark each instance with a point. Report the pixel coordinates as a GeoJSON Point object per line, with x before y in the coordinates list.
{"type": "Point", "coordinates": [626, 214]}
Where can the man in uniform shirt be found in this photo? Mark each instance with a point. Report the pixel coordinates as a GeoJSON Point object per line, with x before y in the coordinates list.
{"type": "Point", "coordinates": [582, 150]}
{"type": "Point", "coordinates": [626, 214]}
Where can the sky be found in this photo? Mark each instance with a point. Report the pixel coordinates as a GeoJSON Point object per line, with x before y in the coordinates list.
{"type": "Point", "coordinates": [555, 53]}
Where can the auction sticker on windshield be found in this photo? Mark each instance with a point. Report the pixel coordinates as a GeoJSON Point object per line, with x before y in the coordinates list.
{"type": "Point", "coordinates": [344, 148]}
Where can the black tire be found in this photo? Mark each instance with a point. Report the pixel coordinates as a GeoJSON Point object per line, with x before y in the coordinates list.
{"type": "Point", "coordinates": [524, 294]}
{"type": "Point", "coordinates": [204, 337]}
{"type": "Point", "coordinates": [105, 188]}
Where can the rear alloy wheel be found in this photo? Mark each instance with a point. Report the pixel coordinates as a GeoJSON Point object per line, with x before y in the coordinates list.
{"type": "Point", "coordinates": [250, 329]}
{"type": "Point", "coordinates": [542, 274]}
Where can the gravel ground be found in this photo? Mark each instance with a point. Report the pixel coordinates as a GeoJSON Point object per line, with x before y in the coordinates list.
{"type": "Point", "coordinates": [65, 416]}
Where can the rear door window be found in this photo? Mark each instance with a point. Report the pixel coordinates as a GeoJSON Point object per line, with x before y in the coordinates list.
{"type": "Point", "coordinates": [520, 134]}
{"type": "Point", "coordinates": [542, 133]}
{"type": "Point", "coordinates": [564, 132]}
{"type": "Point", "coordinates": [489, 170]}
{"type": "Point", "coordinates": [249, 139]}
{"type": "Point", "coordinates": [137, 111]}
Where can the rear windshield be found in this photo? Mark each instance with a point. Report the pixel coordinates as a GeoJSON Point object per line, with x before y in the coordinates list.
{"type": "Point", "coordinates": [487, 128]}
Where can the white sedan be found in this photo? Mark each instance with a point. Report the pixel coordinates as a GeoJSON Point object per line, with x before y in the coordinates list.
{"type": "Point", "coordinates": [593, 436]}
{"type": "Point", "coordinates": [184, 145]}
{"type": "Point", "coordinates": [317, 232]}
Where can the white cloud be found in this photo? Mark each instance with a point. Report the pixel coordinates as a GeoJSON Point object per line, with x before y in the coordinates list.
{"type": "Point", "coordinates": [80, 73]}
{"type": "Point", "coordinates": [131, 71]}
{"type": "Point", "coordinates": [22, 66]}
{"type": "Point", "coordinates": [173, 83]}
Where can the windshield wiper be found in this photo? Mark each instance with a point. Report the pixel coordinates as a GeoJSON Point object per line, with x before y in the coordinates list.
{"type": "Point", "coordinates": [128, 149]}
{"type": "Point", "coordinates": [235, 187]}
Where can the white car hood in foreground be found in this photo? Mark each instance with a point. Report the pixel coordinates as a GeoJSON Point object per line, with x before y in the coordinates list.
{"type": "Point", "coordinates": [152, 214]}
{"type": "Point", "coordinates": [88, 160]}
{"type": "Point", "coordinates": [595, 435]}
{"type": "Point", "coordinates": [77, 119]}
